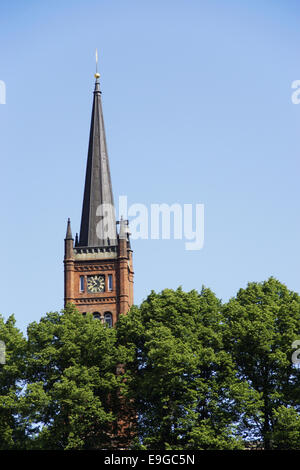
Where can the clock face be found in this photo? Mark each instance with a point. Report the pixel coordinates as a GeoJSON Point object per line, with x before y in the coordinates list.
{"type": "Point", "coordinates": [95, 284]}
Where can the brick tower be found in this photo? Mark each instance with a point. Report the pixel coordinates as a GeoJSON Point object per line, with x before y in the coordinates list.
{"type": "Point", "coordinates": [98, 266]}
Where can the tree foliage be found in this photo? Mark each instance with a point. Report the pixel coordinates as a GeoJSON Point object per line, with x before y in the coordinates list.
{"type": "Point", "coordinates": [262, 323]}
{"type": "Point", "coordinates": [12, 381]}
{"type": "Point", "coordinates": [183, 370]}
{"type": "Point", "coordinates": [286, 429]}
{"type": "Point", "coordinates": [181, 379]}
{"type": "Point", "coordinates": [71, 381]}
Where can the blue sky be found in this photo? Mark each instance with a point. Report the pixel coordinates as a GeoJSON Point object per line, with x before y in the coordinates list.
{"type": "Point", "coordinates": [197, 106]}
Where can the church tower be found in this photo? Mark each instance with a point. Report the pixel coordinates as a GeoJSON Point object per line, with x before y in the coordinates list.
{"type": "Point", "coordinates": [98, 266]}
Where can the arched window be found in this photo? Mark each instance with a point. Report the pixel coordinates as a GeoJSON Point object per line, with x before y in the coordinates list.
{"type": "Point", "coordinates": [96, 316]}
{"type": "Point", "coordinates": [108, 319]}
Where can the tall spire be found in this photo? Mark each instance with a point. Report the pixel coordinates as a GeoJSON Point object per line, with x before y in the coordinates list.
{"type": "Point", "coordinates": [98, 223]}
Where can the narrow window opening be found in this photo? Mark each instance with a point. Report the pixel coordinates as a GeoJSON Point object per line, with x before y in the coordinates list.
{"type": "Point", "coordinates": [81, 284]}
{"type": "Point", "coordinates": [108, 319]}
{"type": "Point", "coordinates": [110, 282]}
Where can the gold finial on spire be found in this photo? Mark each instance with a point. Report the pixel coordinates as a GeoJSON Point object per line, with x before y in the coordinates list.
{"type": "Point", "coordinates": [97, 75]}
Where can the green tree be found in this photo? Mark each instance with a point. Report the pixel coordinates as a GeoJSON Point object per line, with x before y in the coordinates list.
{"type": "Point", "coordinates": [286, 431]}
{"type": "Point", "coordinates": [182, 381]}
{"type": "Point", "coordinates": [261, 324]}
{"type": "Point", "coordinates": [197, 375]}
{"type": "Point", "coordinates": [13, 428]}
{"type": "Point", "coordinates": [72, 387]}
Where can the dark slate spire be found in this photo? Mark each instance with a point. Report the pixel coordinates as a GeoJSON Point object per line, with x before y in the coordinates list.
{"type": "Point", "coordinates": [96, 230]}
